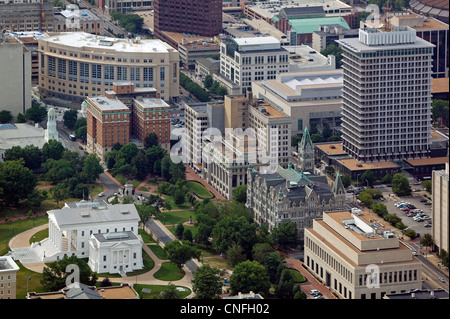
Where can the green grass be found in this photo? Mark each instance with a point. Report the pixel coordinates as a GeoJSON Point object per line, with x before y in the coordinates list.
{"type": "Point", "coordinates": [143, 189]}
{"type": "Point", "coordinates": [170, 199]}
{"type": "Point", "coordinates": [169, 272]}
{"type": "Point", "coordinates": [199, 190]}
{"type": "Point", "coordinates": [155, 290]}
{"type": "Point", "coordinates": [159, 252]}
{"type": "Point", "coordinates": [146, 236]}
{"type": "Point", "coordinates": [10, 229]}
{"type": "Point", "coordinates": [176, 217]}
{"type": "Point", "coordinates": [297, 276]}
{"type": "Point", "coordinates": [39, 236]}
{"type": "Point", "coordinates": [22, 282]}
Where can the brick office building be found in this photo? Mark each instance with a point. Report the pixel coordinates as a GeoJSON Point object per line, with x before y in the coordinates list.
{"type": "Point", "coordinates": [199, 17]}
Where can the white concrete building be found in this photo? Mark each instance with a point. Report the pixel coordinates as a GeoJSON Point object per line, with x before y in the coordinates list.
{"type": "Point", "coordinates": [23, 134]}
{"type": "Point", "coordinates": [8, 270]}
{"type": "Point", "coordinates": [244, 60]}
{"type": "Point", "coordinates": [106, 234]}
{"type": "Point", "coordinates": [440, 214]}
{"type": "Point", "coordinates": [386, 95]}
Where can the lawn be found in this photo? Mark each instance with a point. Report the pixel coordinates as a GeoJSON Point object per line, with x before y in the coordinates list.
{"type": "Point", "coordinates": [169, 272]}
{"type": "Point", "coordinates": [159, 252]}
{"type": "Point", "coordinates": [176, 217]}
{"type": "Point", "coordinates": [297, 276]}
{"type": "Point", "coordinates": [199, 190]}
{"type": "Point", "coordinates": [155, 290]}
{"type": "Point", "coordinates": [9, 230]}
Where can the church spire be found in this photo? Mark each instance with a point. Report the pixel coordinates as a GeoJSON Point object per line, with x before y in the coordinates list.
{"type": "Point", "coordinates": [306, 153]}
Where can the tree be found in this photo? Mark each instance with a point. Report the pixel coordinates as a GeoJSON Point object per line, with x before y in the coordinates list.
{"type": "Point", "coordinates": [58, 170]}
{"type": "Point", "coordinates": [179, 197]}
{"type": "Point", "coordinates": [36, 113]}
{"type": "Point", "coordinates": [231, 230]}
{"type": "Point", "coordinates": [70, 118]}
{"type": "Point", "coordinates": [379, 208]}
{"type": "Point", "coordinates": [92, 167]}
{"type": "Point", "coordinates": [81, 133]}
{"type": "Point", "coordinates": [427, 240]}
{"type": "Point", "coordinates": [440, 112]}
{"type": "Point", "coordinates": [55, 275]}
{"type": "Point", "coordinates": [170, 293]}
{"type": "Point", "coordinates": [316, 138]}
{"type": "Point", "coordinates": [151, 140]}
{"type": "Point", "coordinates": [179, 253]}
{"type": "Point", "coordinates": [285, 287]}
{"type": "Point", "coordinates": [260, 252]}
{"type": "Point", "coordinates": [368, 177]}
{"type": "Point", "coordinates": [332, 49]}
{"type": "Point", "coordinates": [249, 276]}
{"type": "Point", "coordinates": [400, 185]}
{"type": "Point", "coordinates": [274, 264]}
{"type": "Point", "coordinates": [5, 116]}
{"type": "Point", "coordinates": [207, 283]}
{"type": "Point", "coordinates": [145, 212]}
{"type": "Point", "coordinates": [165, 167]}
{"type": "Point", "coordinates": [346, 180]}
{"type": "Point", "coordinates": [330, 170]}
{"type": "Point", "coordinates": [365, 198]}
{"type": "Point", "coordinates": [16, 182]}
{"type": "Point", "coordinates": [140, 162]}
{"type": "Point", "coordinates": [177, 171]}
{"type": "Point", "coordinates": [240, 194]}
{"type": "Point", "coordinates": [187, 235]}
{"type": "Point", "coordinates": [59, 193]}
{"type": "Point", "coordinates": [427, 185]}
{"type": "Point", "coordinates": [285, 235]}
{"type": "Point", "coordinates": [21, 118]}
{"type": "Point", "coordinates": [411, 233]}
{"type": "Point", "coordinates": [387, 179]}
{"type": "Point", "coordinates": [235, 254]}
{"type": "Point", "coordinates": [179, 230]}
{"type": "Point", "coordinates": [326, 131]}
{"type": "Point", "coordinates": [35, 199]}
{"type": "Point", "coordinates": [52, 149]}
{"type": "Point", "coordinates": [208, 81]}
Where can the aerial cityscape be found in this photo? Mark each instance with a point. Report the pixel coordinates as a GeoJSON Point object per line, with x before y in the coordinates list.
{"type": "Point", "coordinates": [224, 150]}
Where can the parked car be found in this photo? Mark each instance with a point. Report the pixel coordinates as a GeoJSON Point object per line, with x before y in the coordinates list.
{"type": "Point", "coordinates": [418, 211]}
{"type": "Point", "coordinates": [427, 225]}
{"type": "Point", "coordinates": [319, 296]}
{"type": "Point", "coordinates": [101, 194]}
{"type": "Point", "coordinates": [314, 292]}
{"type": "Point", "coordinates": [427, 203]}
{"type": "Point", "coordinates": [441, 279]}
{"type": "Point", "coordinates": [424, 200]}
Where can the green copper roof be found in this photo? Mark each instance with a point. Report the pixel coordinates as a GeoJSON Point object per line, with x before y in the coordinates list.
{"type": "Point", "coordinates": [302, 26]}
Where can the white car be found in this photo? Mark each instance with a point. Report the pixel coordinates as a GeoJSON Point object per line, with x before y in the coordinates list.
{"type": "Point", "coordinates": [314, 292]}
{"type": "Point", "coordinates": [101, 194]}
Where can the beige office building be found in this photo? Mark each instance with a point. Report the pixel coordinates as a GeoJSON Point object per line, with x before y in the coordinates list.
{"type": "Point", "coordinates": [75, 65]}
{"type": "Point", "coordinates": [8, 270]}
{"type": "Point", "coordinates": [360, 257]}
{"type": "Point", "coordinates": [440, 208]}
{"type": "Point", "coordinates": [15, 76]}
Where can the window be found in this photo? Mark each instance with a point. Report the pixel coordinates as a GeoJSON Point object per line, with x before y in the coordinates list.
{"type": "Point", "coordinates": [162, 75]}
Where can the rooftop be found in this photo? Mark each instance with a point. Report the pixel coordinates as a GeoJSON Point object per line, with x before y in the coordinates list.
{"type": "Point", "coordinates": [331, 148]}
{"type": "Point", "coordinates": [151, 103]}
{"type": "Point", "coordinates": [354, 165]}
{"type": "Point", "coordinates": [439, 85]}
{"type": "Point", "coordinates": [87, 40]}
{"type": "Point", "coordinates": [107, 104]}
{"type": "Point", "coordinates": [309, 25]}
{"type": "Point", "coordinates": [428, 161]}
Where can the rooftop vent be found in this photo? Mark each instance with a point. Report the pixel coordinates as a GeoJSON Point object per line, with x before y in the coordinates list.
{"type": "Point", "coordinates": [85, 214]}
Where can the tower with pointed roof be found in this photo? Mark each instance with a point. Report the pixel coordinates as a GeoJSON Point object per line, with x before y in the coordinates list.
{"type": "Point", "coordinates": [338, 190]}
{"type": "Point", "coordinates": [306, 153]}
{"type": "Point", "coordinates": [51, 133]}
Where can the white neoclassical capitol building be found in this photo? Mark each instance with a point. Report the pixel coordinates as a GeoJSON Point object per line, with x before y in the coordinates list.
{"type": "Point", "coordinates": [106, 234]}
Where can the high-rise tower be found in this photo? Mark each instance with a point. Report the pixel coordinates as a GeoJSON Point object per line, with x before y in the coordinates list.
{"type": "Point", "coordinates": [386, 111]}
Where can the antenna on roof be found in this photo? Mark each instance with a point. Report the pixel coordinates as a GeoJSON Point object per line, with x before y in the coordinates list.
{"type": "Point", "coordinates": [387, 9]}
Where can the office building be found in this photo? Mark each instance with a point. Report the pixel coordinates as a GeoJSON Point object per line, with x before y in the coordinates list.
{"type": "Point", "coordinates": [74, 19]}
{"type": "Point", "coordinates": [327, 34]}
{"type": "Point", "coordinates": [75, 65]}
{"type": "Point", "coordinates": [124, 6]}
{"type": "Point", "coordinates": [26, 15]}
{"type": "Point", "coordinates": [431, 8]}
{"type": "Point", "coordinates": [199, 17]}
{"type": "Point", "coordinates": [126, 114]}
{"type": "Point", "coordinates": [433, 31]}
{"type": "Point", "coordinates": [440, 215]}
{"type": "Point", "coordinates": [358, 256]}
{"type": "Point", "coordinates": [8, 279]}
{"type": "Point", "coordinates": [386, 110]}
{"type": "Point", "coordinates": [192, 51]}
{"type": "Point", "coordinates": [15, 76]}
{"type": "Point", "coordinates": [245, 60]}
{"type": "Point", "coordinates": [291, 196]}
{"type": "Point", "coordinates": [311, 99]}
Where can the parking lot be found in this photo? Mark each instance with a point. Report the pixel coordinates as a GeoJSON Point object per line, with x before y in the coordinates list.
{"type": "Point", "coordinates": [418, 201]}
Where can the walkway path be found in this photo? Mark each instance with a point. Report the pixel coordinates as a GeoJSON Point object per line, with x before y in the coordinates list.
{"type": "Point", "coordinates": [312, 282]}
{"type": "Point", "coordinates": [22, 240]}
{"type": "Point", "coordinates": [192, 176]}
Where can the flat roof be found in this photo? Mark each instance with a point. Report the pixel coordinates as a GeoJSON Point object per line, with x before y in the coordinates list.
{"type": "Point", "coordinates": [331, 149]}
{"type": "Point", "coordinates": [355, 165]}
{"type": "Point", "coordinates": [428, 161]}
{"type": "Point", "coordinates": [305, 26]}
{"type": "Point", "coordinates": [107, 104]}
{"type": "Point", "coordinates": [87, 40]}
{"type": "Point", "coordinates": [257, 40]}
{"type": "Point", "coordinates": [151, 103]}
{"type": "Point", "coordinates": [439, 85]}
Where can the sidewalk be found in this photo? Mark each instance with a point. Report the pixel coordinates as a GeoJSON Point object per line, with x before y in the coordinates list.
{"type": "Point", "coordinates": [312, 282]}
{"type": "Point", "coordinates": [192, 176]}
